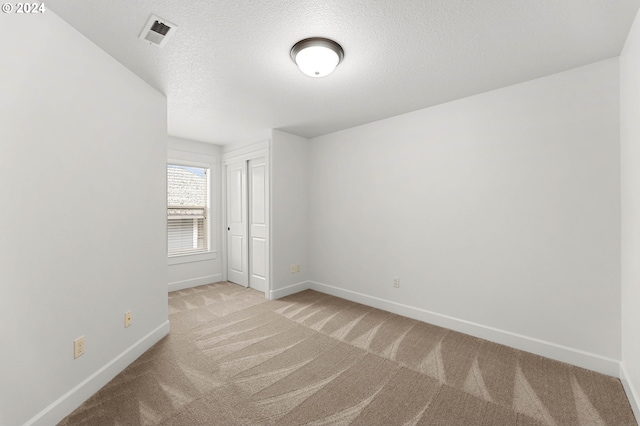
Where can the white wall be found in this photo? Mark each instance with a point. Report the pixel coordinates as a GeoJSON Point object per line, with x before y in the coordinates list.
{"type": "Point", "coordinates": [500, 214]}
{"type": "Point", "coordinates": [630, 165]}
{"type": "Point", "coordinates": [195, 270]}
{"type": "Point", "coordinates": [289, 212]}
{"type": "Point", "coordinates": [82, 181]}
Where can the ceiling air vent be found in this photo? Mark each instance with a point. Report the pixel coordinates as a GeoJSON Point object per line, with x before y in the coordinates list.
{"type": "Point", "coordinates": [157, 31]}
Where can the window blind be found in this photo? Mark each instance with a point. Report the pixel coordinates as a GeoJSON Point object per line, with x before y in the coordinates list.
{"type": "Point", "coordinates": [187, 209]}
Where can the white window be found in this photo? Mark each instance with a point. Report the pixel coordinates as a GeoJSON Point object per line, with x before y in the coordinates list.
{"type": "Point", "coordinates": [187, 209]}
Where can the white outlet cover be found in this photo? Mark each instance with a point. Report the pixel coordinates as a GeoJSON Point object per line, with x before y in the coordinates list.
{"type": "Point", "coordinates": [78, 347]}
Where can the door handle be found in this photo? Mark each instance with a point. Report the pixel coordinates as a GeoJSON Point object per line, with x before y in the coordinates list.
{"type": "Point", "coordinates": [229, 228]}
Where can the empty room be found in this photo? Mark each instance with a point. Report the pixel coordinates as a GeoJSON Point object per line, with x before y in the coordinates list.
{"type": "Point", "coordinates": [302, 212]}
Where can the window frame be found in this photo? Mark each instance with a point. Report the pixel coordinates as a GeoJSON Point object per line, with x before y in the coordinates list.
{"type": "Point", "coordinates": [201, 161]}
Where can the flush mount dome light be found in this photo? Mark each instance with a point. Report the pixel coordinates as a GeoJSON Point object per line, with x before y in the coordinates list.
{"type": "Point", "coordinates": [317, 57]}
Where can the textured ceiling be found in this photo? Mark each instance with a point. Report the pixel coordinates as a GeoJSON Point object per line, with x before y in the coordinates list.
{"type": "Point", "coordinates": [228, 76]}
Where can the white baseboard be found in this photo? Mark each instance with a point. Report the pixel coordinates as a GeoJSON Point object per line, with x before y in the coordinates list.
{"type": "Point", "coordinates": [562, 353]}
{"type": "Point", "coordinates": [194, 282]}
{"type": "Point", "coordinates": [632, 392]}
{"type": "Point", "coordinates": [68, 402]}
{"type": "Point", "coordinates": [288, 290]}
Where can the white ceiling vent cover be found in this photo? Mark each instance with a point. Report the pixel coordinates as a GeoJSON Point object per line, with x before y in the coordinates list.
{"type": "Point", "coordinates": [158, 31]}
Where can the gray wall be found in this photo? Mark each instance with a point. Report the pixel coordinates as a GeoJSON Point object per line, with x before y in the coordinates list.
{"type": "Point", "coordinates": [630, 164]}
{"type": "Point", "coordinates": [499, 213]}
{"type": "Point", "coordinates": [82, 170]}
{"type": "Point", "coordinates": [289, 210]}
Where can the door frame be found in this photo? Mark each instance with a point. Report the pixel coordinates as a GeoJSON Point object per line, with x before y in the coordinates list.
{"type": "Point", "coordinates": [244, 154]}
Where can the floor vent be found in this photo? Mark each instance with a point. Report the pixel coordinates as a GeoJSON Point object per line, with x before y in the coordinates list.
{"type": "Point", "coordinates": [157, 31]}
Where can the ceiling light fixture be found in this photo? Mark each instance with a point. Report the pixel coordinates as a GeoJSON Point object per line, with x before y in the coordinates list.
{"type": "Point", "coordinates": [316, 56]}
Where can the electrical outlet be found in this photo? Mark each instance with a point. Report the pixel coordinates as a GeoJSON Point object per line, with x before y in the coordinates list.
{"type": "Point", "coordinates": [297, 268]}
{"type": "Point", "coordinates": [78, 347]}
{"type": "Point", "coordinates": [396, 282]}
{"type": "Point", "coordinates": [128, 316]}
{"type": "Point", "coordinates": [293, 269]}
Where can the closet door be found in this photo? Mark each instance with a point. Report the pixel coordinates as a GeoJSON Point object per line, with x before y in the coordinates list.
{"type": "Point", "coordinates": [237, 208]}
{"type": "Point", "coordinates": [258, 211]}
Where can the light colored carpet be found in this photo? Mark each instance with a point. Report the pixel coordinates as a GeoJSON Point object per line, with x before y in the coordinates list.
{"type": "Point", "coordinates": [234, 358]}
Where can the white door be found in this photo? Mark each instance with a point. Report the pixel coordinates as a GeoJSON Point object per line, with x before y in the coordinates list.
{"type": "Point", "coordinates": [258, 224]}
{"type": "Point", "coordinates": [237, 247]}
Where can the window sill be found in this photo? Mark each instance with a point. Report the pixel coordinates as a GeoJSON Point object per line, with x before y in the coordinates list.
{"type": "Point", "coordinates": [189, 258]}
